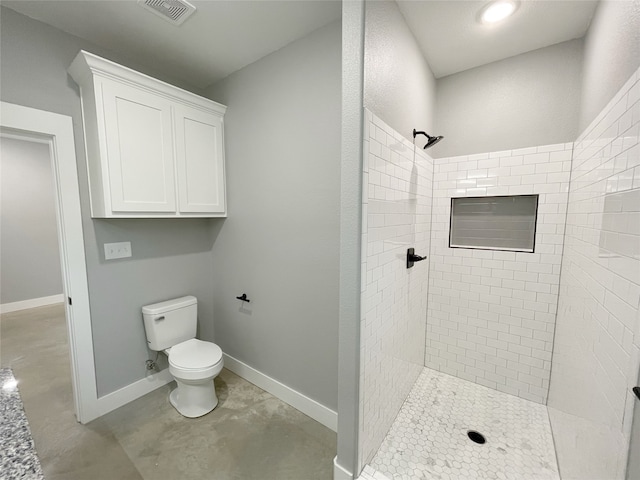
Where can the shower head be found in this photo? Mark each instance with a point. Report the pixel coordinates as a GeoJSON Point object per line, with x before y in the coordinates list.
{"type": "Point", "coordinates": [431, 141]}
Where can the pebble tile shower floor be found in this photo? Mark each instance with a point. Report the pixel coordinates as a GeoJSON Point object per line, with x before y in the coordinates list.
{"type": "Point", "coordinates": [428, 440]}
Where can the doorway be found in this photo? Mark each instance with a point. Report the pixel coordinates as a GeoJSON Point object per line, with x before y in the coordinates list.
{"type": "Point", "coordinates": [56, 133]}
{"type": "Point", "coordinates": [30, 273]}
{"type": "Point", "coordinates": [33, 329]}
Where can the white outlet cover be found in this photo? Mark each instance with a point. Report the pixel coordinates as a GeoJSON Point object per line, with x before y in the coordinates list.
{"type": "Point", "coordinates": [117, 250]}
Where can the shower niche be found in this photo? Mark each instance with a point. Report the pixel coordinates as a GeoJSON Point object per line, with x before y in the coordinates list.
{"type": "Point", "coordinates": [494, 223]}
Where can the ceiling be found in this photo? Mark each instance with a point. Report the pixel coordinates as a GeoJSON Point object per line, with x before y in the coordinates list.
{"type": "Point", "coordinates": [452, 39]}
{"type": "Point", "coordinates": [218, 39]}
{"type": "Point", "coordinates": [225, 35]}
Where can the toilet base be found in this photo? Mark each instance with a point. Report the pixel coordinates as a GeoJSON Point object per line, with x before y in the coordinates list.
{"type": "Point", "coordinates": [194, 400]}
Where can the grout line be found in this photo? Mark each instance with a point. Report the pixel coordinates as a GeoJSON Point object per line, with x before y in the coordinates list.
{"type": "Point", "coordinates": [562, 263]}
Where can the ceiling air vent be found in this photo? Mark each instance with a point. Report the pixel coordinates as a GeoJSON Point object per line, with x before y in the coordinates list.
{"type": "Point", "coordinates": [173, 11]}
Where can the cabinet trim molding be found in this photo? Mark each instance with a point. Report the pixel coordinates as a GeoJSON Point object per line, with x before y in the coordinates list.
{"type": "Point", "coordinates": [87, 65]}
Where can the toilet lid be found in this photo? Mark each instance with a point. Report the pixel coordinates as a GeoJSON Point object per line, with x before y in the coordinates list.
{"type": "Point", "coordinates": [195, 354]}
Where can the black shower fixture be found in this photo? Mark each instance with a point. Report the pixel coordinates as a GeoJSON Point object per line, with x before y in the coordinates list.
{"type": "Point", "coordinates": [431, 141]}
{"type": "Point", "coordinates": [413, 258]}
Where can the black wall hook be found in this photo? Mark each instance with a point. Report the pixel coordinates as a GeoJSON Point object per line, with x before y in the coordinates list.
{"type": "Point", "coordinates": [244, 298]}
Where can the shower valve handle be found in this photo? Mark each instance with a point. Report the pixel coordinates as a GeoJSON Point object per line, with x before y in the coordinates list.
{"type": "Point", "coordinates": [412, 257]}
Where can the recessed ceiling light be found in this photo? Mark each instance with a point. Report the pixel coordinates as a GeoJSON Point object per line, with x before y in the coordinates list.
{"type": "Point", "coordinates": [497, 11]}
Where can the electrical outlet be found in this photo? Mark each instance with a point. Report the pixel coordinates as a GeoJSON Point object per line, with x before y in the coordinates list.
{"type": "Point", "coordinates": [117, 250]}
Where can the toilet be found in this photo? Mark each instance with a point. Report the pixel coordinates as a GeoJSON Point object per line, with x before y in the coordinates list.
{"type": "Point", "coordinates": [171, 328]}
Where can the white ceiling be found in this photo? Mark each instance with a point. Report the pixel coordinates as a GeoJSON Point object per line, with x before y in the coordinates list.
{"type": "Point", "coordinates": [452, 39]}
{"type": "Point", "coordinates": [226, 35]}
{"type": "Point", "coordinates": [218, 39]}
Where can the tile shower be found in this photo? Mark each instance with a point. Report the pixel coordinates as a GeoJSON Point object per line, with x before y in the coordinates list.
{"type": "Point", "coordinates": [497, 320]}
{"type": "Point", "coordinates": [396, 216]}
{"type": "Point", "coordinates": [492, 313]}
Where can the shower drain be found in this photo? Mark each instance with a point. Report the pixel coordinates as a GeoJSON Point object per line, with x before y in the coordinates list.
{"type": "Point", "coordinates": [476, 437]}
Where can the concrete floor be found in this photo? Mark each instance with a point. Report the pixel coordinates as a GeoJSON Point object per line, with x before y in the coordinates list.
{"type": "Point", "coordinates": [250, 435]}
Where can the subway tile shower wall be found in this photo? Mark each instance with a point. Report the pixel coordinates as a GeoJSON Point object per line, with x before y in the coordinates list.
{"type": "Point", "coordinates": [396, 215]}
{"type": "Point", "coordinates": [597, 347]}
{"type": "Point", "coordinates": [491, 315]}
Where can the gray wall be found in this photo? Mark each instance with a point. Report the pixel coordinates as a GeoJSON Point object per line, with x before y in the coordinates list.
{"type": "Point", "coordinates": [398, 84]}
{"type": "Point", "coordinates": [611, 55]}
{"type": "Point", "coordinates": [29, 256]}
{"type": "Point", "coordinates": [280, 243]}
{"type": "Point", "coordinates": [170, 257]}
{"type": "Point", "coordinates": [522, 101]}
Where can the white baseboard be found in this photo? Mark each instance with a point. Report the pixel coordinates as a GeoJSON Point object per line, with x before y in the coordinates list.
{"type": "Point", "coordinates": [131, 392]}
{"type": "Point", "coordinates": [32, 303]}
{"type": "Point", "coordinates": [340, 473]}
{"type": "Point", "coordinates": [297, 400]}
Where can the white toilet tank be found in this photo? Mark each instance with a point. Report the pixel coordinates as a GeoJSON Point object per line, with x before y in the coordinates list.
{"type": "Point", "coordinates": [171, 322]}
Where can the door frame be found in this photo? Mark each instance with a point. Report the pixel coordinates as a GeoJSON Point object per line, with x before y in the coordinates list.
{"type": "Point", "coordinates": [56, 130]}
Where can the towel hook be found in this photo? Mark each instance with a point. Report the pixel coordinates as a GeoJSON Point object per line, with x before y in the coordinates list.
{"type": "Point", "coordinates": [244, 298]}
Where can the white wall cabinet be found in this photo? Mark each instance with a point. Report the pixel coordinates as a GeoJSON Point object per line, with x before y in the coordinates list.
{"type": "Point", "coordinates": [153, 150]}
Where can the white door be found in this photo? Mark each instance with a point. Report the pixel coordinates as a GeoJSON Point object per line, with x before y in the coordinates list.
{"type": "Point", "coordinates": [139, 143]}
{"type": "Point", "coordinates": [200, 161]}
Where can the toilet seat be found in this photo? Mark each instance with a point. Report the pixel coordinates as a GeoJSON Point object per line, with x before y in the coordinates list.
{"type": "Point", "coordinates": [193, 356]}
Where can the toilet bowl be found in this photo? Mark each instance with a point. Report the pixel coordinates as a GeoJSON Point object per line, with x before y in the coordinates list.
{"type": "Point", "coordinates": [194, 364]}
{"type": "Point", "coordinates": [171, 328]}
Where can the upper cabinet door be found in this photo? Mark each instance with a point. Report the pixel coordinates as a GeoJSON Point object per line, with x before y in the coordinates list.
{"type": "Point", "coordinates": [139, 146]}
{"type": "Point", "coordinates": [200, 161]}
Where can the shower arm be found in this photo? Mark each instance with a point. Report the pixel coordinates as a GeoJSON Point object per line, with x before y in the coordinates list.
{"type": "Point", "coordinates": [416, 132]}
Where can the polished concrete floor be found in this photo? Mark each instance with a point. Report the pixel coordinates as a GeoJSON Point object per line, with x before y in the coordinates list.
{"type": "Point", "coordinates": [250, 435]}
